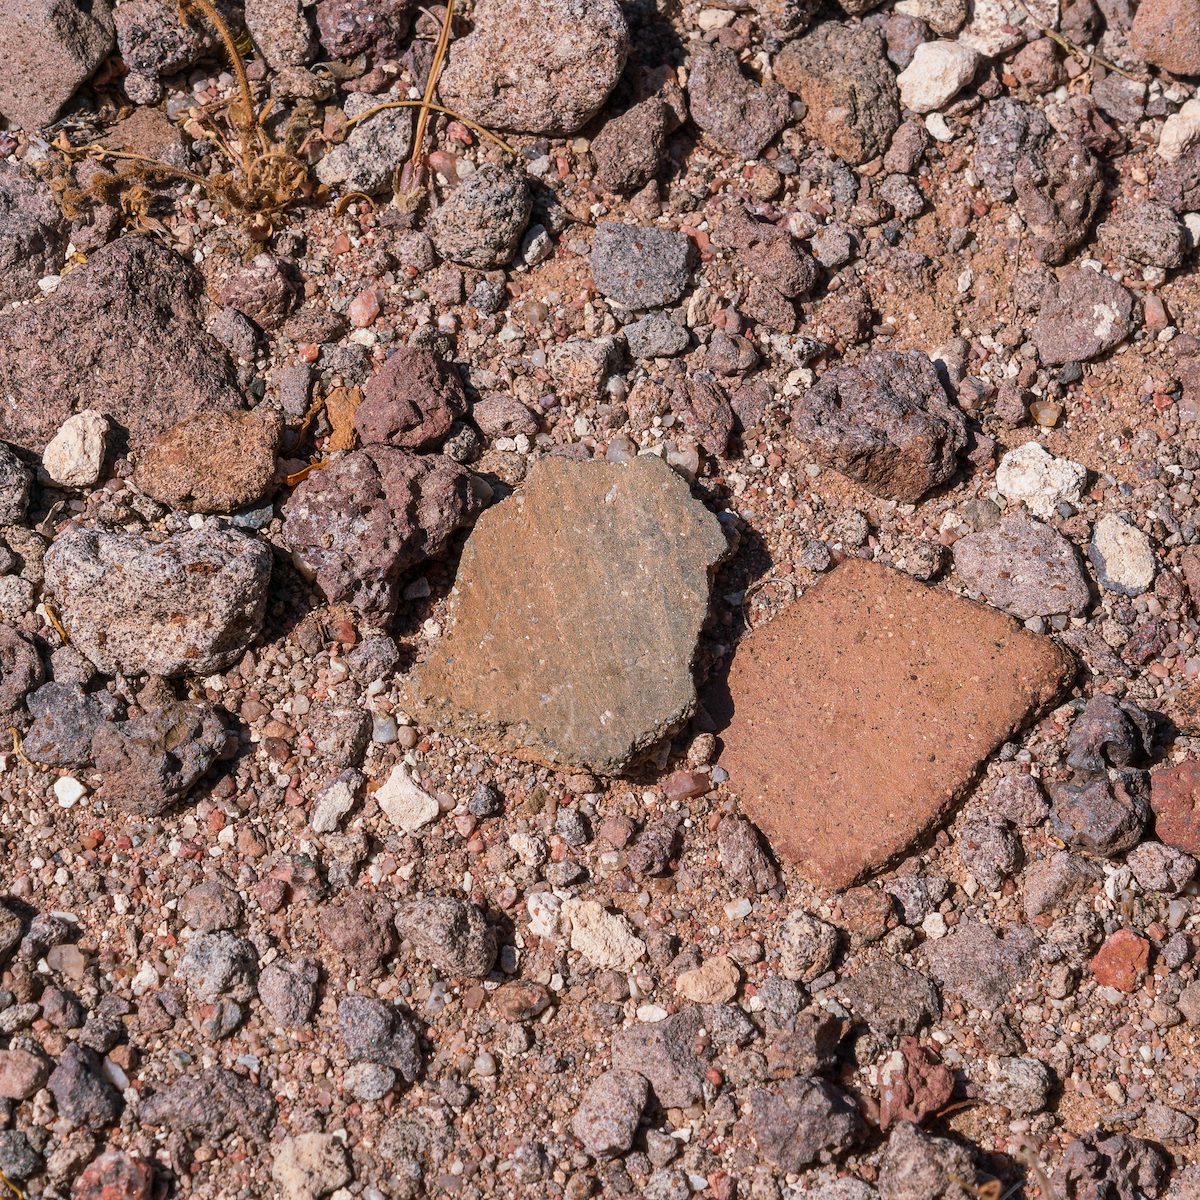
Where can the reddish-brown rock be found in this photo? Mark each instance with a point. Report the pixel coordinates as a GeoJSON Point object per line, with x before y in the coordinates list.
{"type": "Point", "coordinates": [214, 462]}
{"type": "Point", "coordinates": [862, 714]}
{"type": "Point", "coordinates": [1167, 33]}
{"type": "Point", "coordinates": [1175, 798]}
{"type": "Point", "coordinates": [601, 572]}
{"type": "Point", "coordinates": [411, 401]}
{"type": "Point", "coordinates": [1122, 961]}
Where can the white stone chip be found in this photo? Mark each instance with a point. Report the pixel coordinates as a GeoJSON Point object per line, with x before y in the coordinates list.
{"type": "Point", "coordinates": [937, 73]}
{"type": "Point", "coordinates": [605, 939]}
{"type": "Point", "coordinates": [407, 806]}
{"type": "Point", "coordinates": [74, 457]}
{"type": "Point", "coordinates": [69, 791]}
{"type": "Point", "coordinates": [1032, 476]}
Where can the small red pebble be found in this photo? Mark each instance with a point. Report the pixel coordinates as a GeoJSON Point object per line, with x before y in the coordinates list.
{"type": "Point", "coordinates": [685, 785]}
{"type": "Point", "coordinates": [310, 352]}
{"type": "Point", "coordinates": [1121, 961]}
{"type": "Point", "coordinates": [363, 309]}
{"type": "Point", "coordinates": [341, 244]}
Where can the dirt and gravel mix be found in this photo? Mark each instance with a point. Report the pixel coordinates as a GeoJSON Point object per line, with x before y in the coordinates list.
{"type": "Point", "coordinates": [642, 646]}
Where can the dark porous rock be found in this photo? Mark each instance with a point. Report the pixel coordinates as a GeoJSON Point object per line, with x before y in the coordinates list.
{"type": "Point", "coordinates": [370, 515]}
{"type": "Point", "coordinates": [978, 964]}
{"type": "Point", "coordinates": [768, 252]}
{"type": "Point", "coordinates": [638, 266]}
{"type": "Point", "coordinates": [83, 1096]}
{"type": "Point", "coordinates": [740, 116]}
{"type": "Point", "coordinates": [20, 673]}
{"type": "Point", "coordinates": [1148, 233]}
{"type": "Point", "coordinates": [50, 48]}
{"type": "Point", "coordinates": [1023, 567]}
{"type": "Point", "coordinates": [211, 1104]}
{"type": "Point", "coordinates": [1103, 813]}
{"type": "Point", "coordinates": [800, 1121]}
{"type": "Point", "coordinates": [16, 482]}
{"type": "Point", "coordinates": [915, 1166]}
{"type": "Point", "coordinates": [1085, 315]}
{"type": "Point", "coordinates": [892, 999]}
{"type": "Point", "coordinates": [358, 930]}
{"type": "Point", "coordinates": [376, 1032]}
{"type": "Point", "coordinates": [65, 718]}
{"type": "Point", "coordinates": [1059, 187]}
{"type": "Point", "coordinates": [214, 462]}
{"type": "Point", "coordinates": [665, 1052]}
{"type": "Point", "coordinates": [190, 603]}
{"type": "Point", "coordinates": [288, 990]}
{"type": "Point", "coordinates": [1005, 133]}
{"type": "Point", "coordinates": [10, 931]}
{"type": "Point", "coordinates": [31, 232]}
{"type": "Point", "coordinates": [481, 222]}
{"type": "Point", "coordinates": [1112, 1166]}
{"type": "Point", "coordinates": [266, 289]}
{"type": "Point", "coordinates": [451, 934]}
{"type": "Point", "coordinates": [373, 27]}
{"type": "Point", "coordinates": [156, 758]}
{"type": "Point", "coordinates": [1109, 733]}
{"type": "Point", "coordinates": [608, 1116]}
{"type": "Point", "coordinates": [411, 402]}
{"type": "Point", "coordinates": [631, 149]}
{"type": "Point", "coordinates": [540, 68]}
{"type": "Point", "coordinates": [840, 72]}
{"type": "Point", "coordinates": [126, 326]}
{"type": "Point", "coordinates": [885, 421]}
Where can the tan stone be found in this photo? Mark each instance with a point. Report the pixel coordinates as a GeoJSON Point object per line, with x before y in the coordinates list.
{"type": "Point", "coordinates": [578, 604]}
{"type": "Point", "coordinates": [863, 713]}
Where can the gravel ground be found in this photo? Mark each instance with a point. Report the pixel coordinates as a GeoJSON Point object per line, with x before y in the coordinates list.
{"type": "Point", "coordinates": [299, 898]}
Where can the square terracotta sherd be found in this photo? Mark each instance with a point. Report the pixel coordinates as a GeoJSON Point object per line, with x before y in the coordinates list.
{"type": "Point", "coordinates": [862, 714]}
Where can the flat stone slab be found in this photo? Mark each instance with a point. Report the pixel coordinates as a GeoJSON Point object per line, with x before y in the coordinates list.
{"type": "Point", "coordinates": [577, 607]}
{"type": "Point", "coordinates": [861, 715]}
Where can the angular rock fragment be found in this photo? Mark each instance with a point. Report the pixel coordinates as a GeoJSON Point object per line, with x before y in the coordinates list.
{"type": "Point", "coordinates": [540, 67]}
{"type": "Point", "coordinates": [978, 964]}
{"type": "Point", "coordinates": [357, 525]}
{"type": "Point", "coordinates": [738, 114]}
{"type": "Point", "coordinates": [65, 718]}
{"type": "Point", "coordinates": [915, 1165]}
{"type": "Point", "coordinates": [123, 335]}
{"type": "Point", "coordinates": [1086, 314]}
{"type": "Point", "coordinates": [155, 759]}
{"type": "Point", "coordinates": [214, 462]}
{"type": "Point", "coordinates": [16, 483]}
{"type": "Point", "coordinates": [631, 148]}
{"type": "Point", "coordinates": [373, 1031]}
{"type": "Point", "coordinates": [602, 571]}
{"type": "Point", "coordinates": [31, 232]}
{"type": "Point", "coordinates": [819, 694]}
{"type": "Point", "coordinates": [1175, 799]}
{"type": "Point", "coordinates": [481, 222]}
{"type": "Point", "coordinates": [885, 421]}
{"type": "Point", "coordinates": [840, 72]}
{"type": "Point", "coordinates": [800, 1121]}
{"type": "Point", "coordinates": [190, 603]}
{"type": "Point", "coordinates": [311, 1165]}
{"type": "Point", "coordinates": [411, 402]}
{"type": "Point", "coordinates": [50, 48]}
{"type": "Point", "coordinates": [451, 934]}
